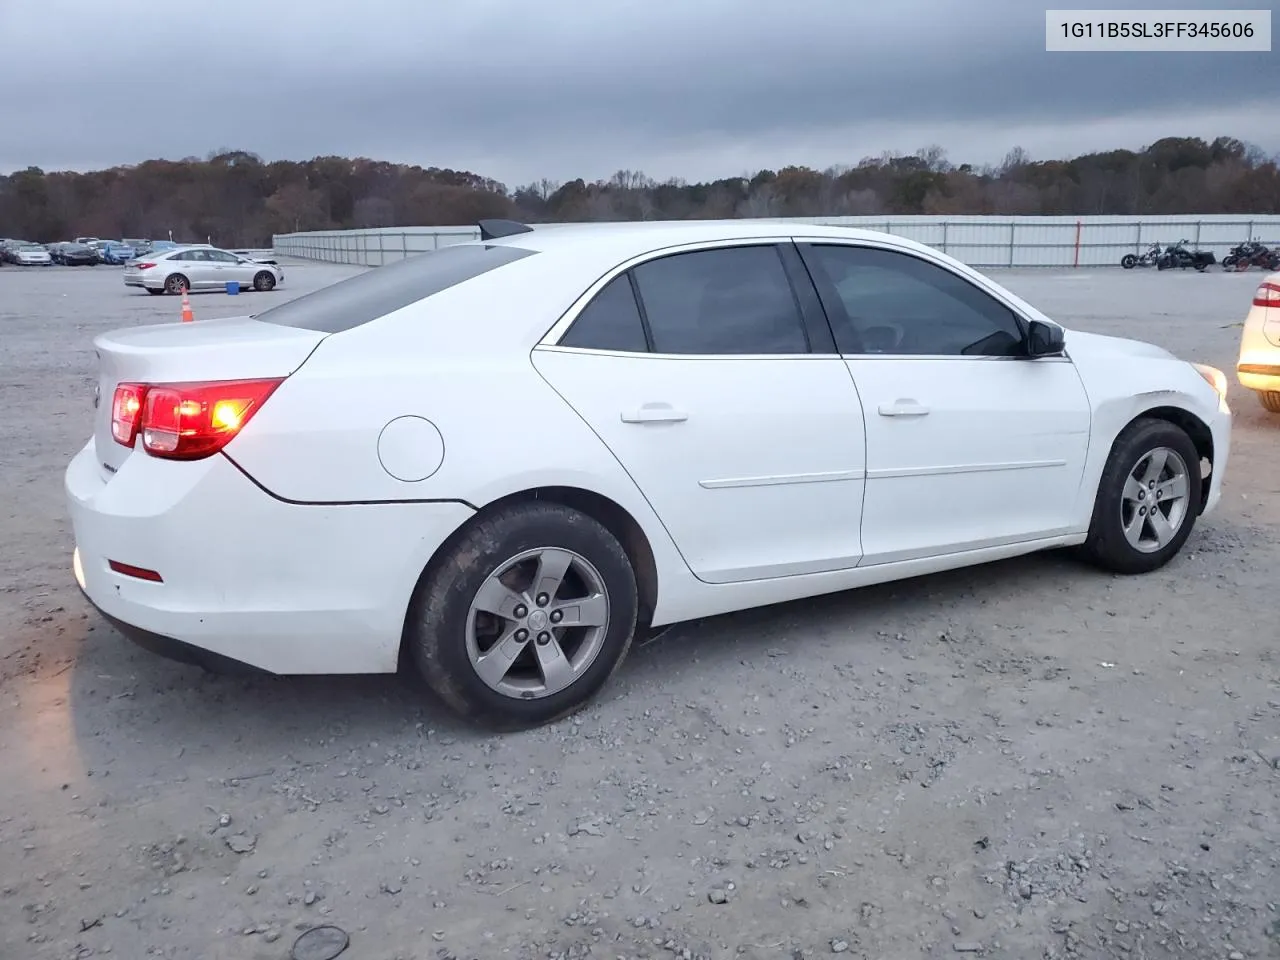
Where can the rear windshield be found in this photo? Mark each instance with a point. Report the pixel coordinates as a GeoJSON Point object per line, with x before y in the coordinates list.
{"type": "Point", "coordinates": [382, 290]}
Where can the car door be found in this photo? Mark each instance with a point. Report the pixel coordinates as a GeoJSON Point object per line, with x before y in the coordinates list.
{"type": "Point", "coordinates": [970, 442]}
{"type": "Point", "coordinates": [196, 268]}
{"type": "Point", "coordinates": [226, 267]}
{"type": "Point", "coordinates": [713, 379]}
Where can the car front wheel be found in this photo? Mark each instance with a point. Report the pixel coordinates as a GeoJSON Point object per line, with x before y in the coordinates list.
{"type": "Point", "coordinates": [1148, 499]}
{"type": "Point", "coordinates": [526, 617]}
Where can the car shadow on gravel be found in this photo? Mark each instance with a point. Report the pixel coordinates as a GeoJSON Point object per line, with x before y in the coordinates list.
{"type": "Point", "coordinates": [126, 701]}
{"type": "Point", "coordinates": [124, 698]}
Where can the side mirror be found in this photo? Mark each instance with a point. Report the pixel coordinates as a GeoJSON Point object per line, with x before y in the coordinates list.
{"type": "Point", "coordinates": [1045, 339]}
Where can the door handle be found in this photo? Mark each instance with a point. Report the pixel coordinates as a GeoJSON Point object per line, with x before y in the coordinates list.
{"type": "Point", "coordinates": [903, 408]}
{"type": "Point", "coordinates": [655, 413]}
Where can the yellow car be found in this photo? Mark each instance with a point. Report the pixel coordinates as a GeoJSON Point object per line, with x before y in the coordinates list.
{"type": "Point", "coordinates": [1259, 366]}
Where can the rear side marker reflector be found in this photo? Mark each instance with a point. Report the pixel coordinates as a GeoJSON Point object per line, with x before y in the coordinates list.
{"type": "Point", "coordinates": [186, 421]}
{"type": "Point", "coordinates": [129, 570]}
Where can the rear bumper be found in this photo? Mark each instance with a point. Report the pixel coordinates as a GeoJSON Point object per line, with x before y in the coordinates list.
{"type": "Point", "coordinates": [285, 588]}
{"type": "Point", "coordinates": [1260, 376]}
{"type": "Point", "coordinates": [168, 647]}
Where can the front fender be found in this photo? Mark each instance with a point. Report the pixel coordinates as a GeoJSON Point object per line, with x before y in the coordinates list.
{"type": "Point", "coordinates": [1122, 389]}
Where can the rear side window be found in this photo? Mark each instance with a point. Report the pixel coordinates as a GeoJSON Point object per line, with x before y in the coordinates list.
{"type": "Point", "coordinates": [382, 290]}
{"type": "Point", "coordinates": [611, 321]}
{"type": "Point", "coordinates": [734, 300]}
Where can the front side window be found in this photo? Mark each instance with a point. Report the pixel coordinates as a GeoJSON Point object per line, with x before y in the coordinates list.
{"type": "Point", "coordinates": [730, 300]}
{"type": "Point", "coordinates": [894, 303]}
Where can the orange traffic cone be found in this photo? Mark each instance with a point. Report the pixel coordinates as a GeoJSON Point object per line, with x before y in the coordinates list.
{"type": "Point", "coordinates": [187, 315]}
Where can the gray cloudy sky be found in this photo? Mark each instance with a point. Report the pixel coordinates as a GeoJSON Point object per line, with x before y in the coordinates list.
{"type": "Point", "coordinates": [565, 88]}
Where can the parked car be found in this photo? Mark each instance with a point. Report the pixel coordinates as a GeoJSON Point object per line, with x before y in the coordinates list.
{"type": "Point", "coordinates": [86, 240]}
{"type": "Point", "coordinates": [116, 253]}
{"type": "Point", "coordinates": [726, 415]}
{"type": "Point", "coordinates": [156, 246]}
{"type": "Point", "coordinates": [199, 267]}
{"type": "Point", "coordinates": [78, 255]}
{"type": "Point", "coordinates": [31, 255]}
{"type": "Point", "coordinates": [1258, 368]}
{"type": "Point", "coordinates": [9, 249]}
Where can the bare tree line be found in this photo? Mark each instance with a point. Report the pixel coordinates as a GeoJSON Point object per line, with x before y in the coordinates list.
{"type": "Point", "coordinates": [240, 200]}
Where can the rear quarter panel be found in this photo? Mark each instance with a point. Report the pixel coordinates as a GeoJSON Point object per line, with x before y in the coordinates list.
{"type": "Point", "coordinates": [504, 429]}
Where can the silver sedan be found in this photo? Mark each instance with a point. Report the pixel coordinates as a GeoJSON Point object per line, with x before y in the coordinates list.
{"type": "Point", "coordinates": [200, 268]}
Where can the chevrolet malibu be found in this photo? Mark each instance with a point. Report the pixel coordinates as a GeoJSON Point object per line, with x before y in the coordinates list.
{"type": "Point", "coordinates": [504, 459]}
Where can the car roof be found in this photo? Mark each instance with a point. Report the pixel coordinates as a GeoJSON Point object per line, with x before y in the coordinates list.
{"type": "Point", "coordinates": [189, 246]}
{"type": "Point", "coordinates": [635, 238]}
{"type": "Point", "coordinates": [516, 303]}
{"type": "Point", "coordinates": [598, 247]}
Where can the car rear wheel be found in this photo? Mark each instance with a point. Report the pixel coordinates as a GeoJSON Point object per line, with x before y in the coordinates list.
{"type": "Point", "coordinates": [526, 617]}
{"type": "Point", "coordinates": [264, 282]}
{"type": "Point", "coordinates": [1148, 499]}
{"type": "Point", "coordinates": [1270, 400]}
{"type": "Point", "coordinates": [176, 283]}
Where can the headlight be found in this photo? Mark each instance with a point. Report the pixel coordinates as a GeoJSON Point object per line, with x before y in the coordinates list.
{"type": "Point", "coordinates": [1214, 377]}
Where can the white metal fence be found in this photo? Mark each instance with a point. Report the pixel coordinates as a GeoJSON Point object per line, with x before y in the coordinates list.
{"type": "Point", "coordinates": [978, 241]}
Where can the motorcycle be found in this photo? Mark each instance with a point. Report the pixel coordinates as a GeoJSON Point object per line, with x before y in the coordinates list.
{"type": "Point", "coordinates": [1148, 259]}
{"type": "Point", "coordinates": [1251, 253]}
{"type": "Point", "coordinates": [1177, 255]}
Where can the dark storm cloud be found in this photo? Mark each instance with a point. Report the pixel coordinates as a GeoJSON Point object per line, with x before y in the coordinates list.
{"type": "Point", "coordinates": [572, 87]}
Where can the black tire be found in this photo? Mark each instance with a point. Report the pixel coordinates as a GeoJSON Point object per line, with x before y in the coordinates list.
{"type": "Point", "coordinates": [176, 283]}
{"type": "Point", "coordinates": [1128, 261]}
{"type": "Point", "coordinates": [1270, 400]}
{"type": "Point", "coordinates": [1106, 546]}
{"type": "Point", "coordinates": [1164, 263]}
{"type": "Point", "coordinates": [264, 282]}
{"type": "Point", "coordinates": [436, 627]}
{"type": "Point", "coordinates": [154, 293]}
{"type": "Point", "coordinates": [1228, 262]}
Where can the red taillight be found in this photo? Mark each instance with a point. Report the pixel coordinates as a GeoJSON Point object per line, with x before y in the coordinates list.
{"type": "Point", "coordinates": [188, 421]}
{"type": "Point", "coordinates": [145, 266]}
{"type": "Point", "coordinates": [1267, 295]}
{"type": "Point", "coordinates": [126, 412]}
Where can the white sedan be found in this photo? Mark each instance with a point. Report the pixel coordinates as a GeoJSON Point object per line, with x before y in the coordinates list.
{"type": "Point", "coordinates": [32, 255]}
{"type": "Point", "coordinates": [200, 267]}
{"type": "Point", "coordinates": [505, 458]}
{"type": "Point", "coordinates": [1258, 368]}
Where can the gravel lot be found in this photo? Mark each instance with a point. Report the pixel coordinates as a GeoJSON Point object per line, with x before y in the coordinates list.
{"type": "Point", "coordinates": [1024, 760]}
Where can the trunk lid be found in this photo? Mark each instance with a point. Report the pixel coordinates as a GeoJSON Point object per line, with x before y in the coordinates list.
{"type": "Point", "coordinates": [235, 348]}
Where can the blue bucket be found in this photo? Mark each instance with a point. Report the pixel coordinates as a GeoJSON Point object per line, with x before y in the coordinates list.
{"type": "Point", "coordinates": [233, 287]}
